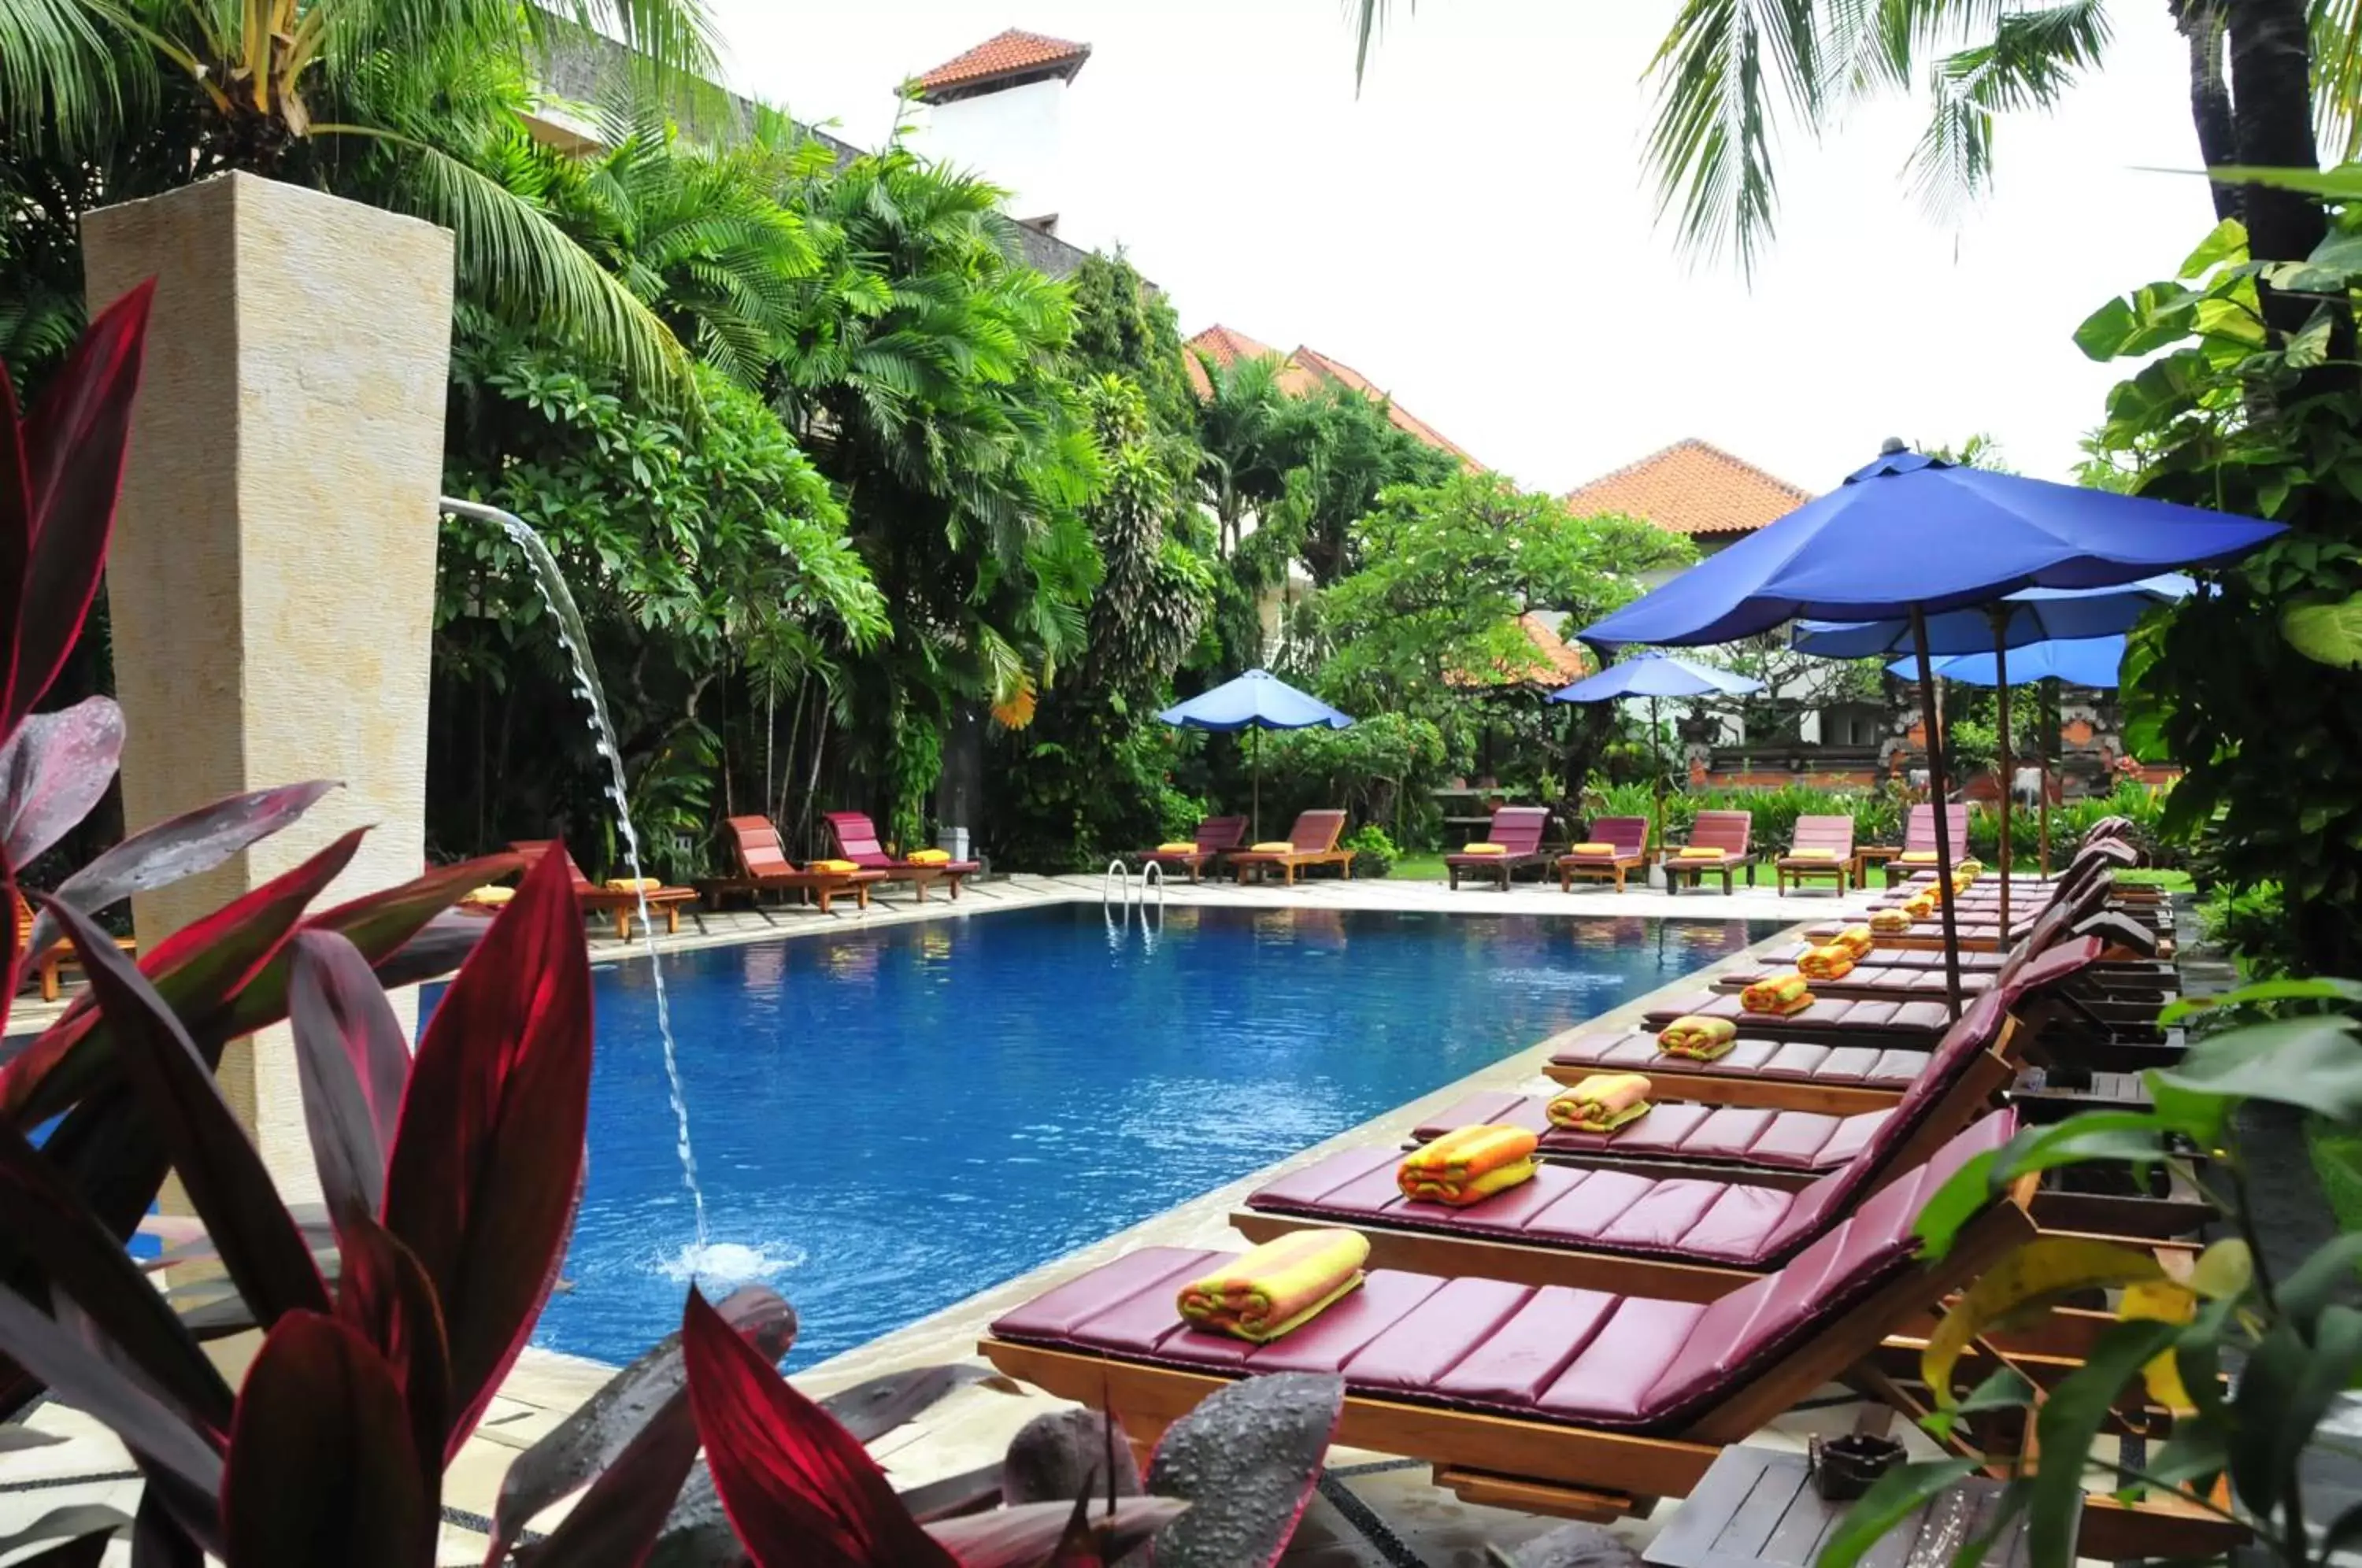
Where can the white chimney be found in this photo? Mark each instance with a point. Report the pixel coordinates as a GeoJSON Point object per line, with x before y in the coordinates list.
{"type": "Point", "coordinates": [997, 111]}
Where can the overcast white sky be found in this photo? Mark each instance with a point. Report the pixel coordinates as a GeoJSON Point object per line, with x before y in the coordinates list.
{"type": "Point", "coordinates": [1476, 232]}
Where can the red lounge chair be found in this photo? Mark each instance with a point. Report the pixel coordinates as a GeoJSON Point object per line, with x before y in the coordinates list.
{"type": "Point", "coordinates": [1516, 829]}
{"type": "Point", "coordinates": [1723, 833]}
{"type": "Point", "coordinates": [1315, 837]}
{"type": "Point", "coordinates": [59, 955]}
{"type": "Point", "coordinates": [1830, 840]}
{"type": "Point", "coordinates": [857, 840]}
{"type": "Point", "coordinates": [1630, 839]}
{"type": "Point", "coordinates": [1919, 839]}
{"type": "Point", "coordinates": [1215, 837]}
{"type": "Point", "coordinates": [1685, 1238]}
{"type": "Point", "coordinates": [764, 867]}
{"type": "Point", "coordinates": [620, 902]}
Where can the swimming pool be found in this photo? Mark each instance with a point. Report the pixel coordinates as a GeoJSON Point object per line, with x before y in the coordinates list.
{"type": "Point", "coordinates": [896, 1119]}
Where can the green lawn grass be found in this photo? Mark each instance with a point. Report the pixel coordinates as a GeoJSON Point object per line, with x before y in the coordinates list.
{"type": "Point", "coordinates": [1420, 867]}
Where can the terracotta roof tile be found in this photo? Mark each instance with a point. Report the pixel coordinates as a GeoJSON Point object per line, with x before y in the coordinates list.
{"type": "Point", "coordinates": [1692, 488]}
{"type": "Point", "coordinates": [1009, 54]}
{"type": "Point", "coordinates": [1567, 663]}
{"type": "Point", "coordinates": [1308, 370]}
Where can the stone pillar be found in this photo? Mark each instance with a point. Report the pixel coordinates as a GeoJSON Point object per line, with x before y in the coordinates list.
{"type": "Point", "coordinates": [273, 578]}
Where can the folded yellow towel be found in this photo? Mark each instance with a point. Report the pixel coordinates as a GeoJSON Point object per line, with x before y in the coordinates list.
{"type": "Point", "coordinates": [1971, 867]}
{"type": "Point", "coordinates": [489, 896]}
{"type": "Point", "coordinates": [1826, 962]}
{"type": "Point", "coordinates": [633, 884]}
{"type": "Point", "coordinates": [1688, 853]}
{"type": "Point", "coordinates": [1697, 1039]}
{"type": "Point", "coordinates": [1467, 1164]}
{"type": "Point", "coordinates": [1601, 1104]}
{"type": "Point", "coordinates": [929, 857]}
{"type": "Point", "coordinates": [1261, 1294]}
{"type": "Point", "coordinates": [1483, 848]}
{"type": "Point", "coordinates": [1591, 847]}
{"type": "Point", "coordinates": [1918, 857]}
{"type": "Point", "coordinates": [1178, 846]}
{"type": "Point", "coordinates": [1854, 939]}
{"type": "Point", "coordinates": [1812, 854]}
{"type": "Point", "coordinates": [1782, 995]}
{"type": "Point", "coordinates": [833, 868]}
{"type": "Point", "coordinates": [1274, 846]}
{"type": "Point", "coordinates": [1891, 922]}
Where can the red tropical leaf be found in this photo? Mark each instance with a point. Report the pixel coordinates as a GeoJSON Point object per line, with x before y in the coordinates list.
{"type": "Point", "coordinates": [485, 1171]}
{"type": "Point", "coordinates": [260, 1247]}
{"type": "Point", "coordinates": [73, 448]}
{"type": "Point", "coordinates": [1055, 1535]}
{"type": "Point", "coordinates": [53, 771]}
{"type": "Point", "coordinates": [321, 1468]}
{"type": "Point", "coordinates": [197, 970]}
{"type": "Point", "coordinates": [351, 1060]}
{"type": "Point", "coordinates": [384, 1294]}
{"type": "Point", "coordinates": [799, 1491]}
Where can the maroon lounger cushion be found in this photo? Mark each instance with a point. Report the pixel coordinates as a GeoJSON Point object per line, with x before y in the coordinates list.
{"type": "Point", "coordinates": [1580, 1357]}
{"type": "Point", "coordinates": [1801, 1060]}
{"type": "Point", "coordinates": [1680, 1131]}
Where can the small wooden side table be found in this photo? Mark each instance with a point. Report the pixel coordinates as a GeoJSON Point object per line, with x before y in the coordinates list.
{"type": "Point", "coordinates": [1865, 856]}
{"type": "Point", "coordinates": [1759, 1505]}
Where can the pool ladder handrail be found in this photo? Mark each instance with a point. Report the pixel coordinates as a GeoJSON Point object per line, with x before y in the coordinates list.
{"type": "Point", "coordinates": [1117, 882]}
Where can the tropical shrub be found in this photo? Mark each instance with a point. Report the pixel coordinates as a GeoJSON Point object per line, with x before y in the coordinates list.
{"type": "Point", "coordinates": [2290, 1332]}
{"type": "Point", "coordinates": [1375, 854]}
{"type": "Point", "coordinates": [1374, 770]}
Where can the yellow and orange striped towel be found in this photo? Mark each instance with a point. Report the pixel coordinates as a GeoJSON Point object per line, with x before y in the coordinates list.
{"type": "Point", "coordinates": [1601, 1104]}
{"type": "Point", "coordinates": [1828, 961]}
{"type": "Point", "coordinates": [929, 857]}
{"type": "Point", "coordinates": [1483, 848]}
{"type": "Point", "coordinates": [1178, 846]}
{"type": "Point", "coordinates": [1891, 922]}
{"type": "Point", "coordinates": [1697, 1039]}
{"type": "Point", "coordinates": [833, 868]}
{"type": "Point", "coordinates": [1690, 852]}
{"type": "Point", "coordinates": [1590, 846]}
{"type": "Point", "coordinates": [633, 884]}
{"type": "Point", "coordinates": [1781, 996]}
{"type": "Point", "coordinates": [1274, 846]}
{"type": "Point", "coordinates": [1915, 858]}
{"type": "Point", "coordinates": [1467, 1164]}
{"type": "Point", "coordinates": [1854, 939]}
{"type": "Point", "coordinates": [1282, 1284]}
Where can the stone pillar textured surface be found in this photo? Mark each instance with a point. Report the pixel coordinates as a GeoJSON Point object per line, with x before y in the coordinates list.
{"type": "Point", "coordinates": [273, 578]}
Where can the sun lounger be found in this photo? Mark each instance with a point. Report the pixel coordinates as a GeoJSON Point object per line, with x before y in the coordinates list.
{"type": "Point", "coordinates": [1687, 1238]}
{"type": "Point", "coordinates": [1918, 853]}
{"type": "Point", "coordinates": [1628, 851]}
{"type": "Point", "coordinates": [45, 965]}
{"type": "Point", "coordinates": [1724, 835]}
{"type": "Point", "coordinates": [1585, 1402]}
{"type": "Point", "coordinates": [1314, 836]}
{"type": "Point", "coordinates": [1518, 830]}
{"type": "Point", "coordinates": [1215, 837]}
{"type": "Point", "coordinates": [1819, 848]}
{"type": "Point", "coordinates": [623, 903]}
{"type": "Point", "coordinates": [857, 840]}
{"type": "Point", "coordinates": [764, 867]}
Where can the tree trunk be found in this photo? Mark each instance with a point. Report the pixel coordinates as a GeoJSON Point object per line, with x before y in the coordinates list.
{"type": "Point", "coordinates": [2271, 92]}
{"type": "Point", "coordinates": [2200, 24]}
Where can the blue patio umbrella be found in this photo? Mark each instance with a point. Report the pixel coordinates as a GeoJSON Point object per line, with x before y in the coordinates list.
{"type": "Point", "coordinates": [1258, 701]}
{"type": "Point", "coordinates": [2034, 615]}
{"type": "Point", "coordinates": [1910, 536]}
{"type": "Point", "coordinates": [1659, 676]}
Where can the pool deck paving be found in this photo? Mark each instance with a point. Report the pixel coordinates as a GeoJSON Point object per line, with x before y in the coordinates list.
{"type": "Point", "coordinates": [1373, 1508]}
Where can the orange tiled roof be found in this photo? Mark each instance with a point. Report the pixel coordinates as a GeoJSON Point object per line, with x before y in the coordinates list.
{"type": "Point", "coordinates": [1567, 662]}
{"type": "Point", "coordinates": [1692, 488]}
{"type": "Point", "coordinates": [1009, 54]}
{"type": "Point", "coordinates": [1308, 370]}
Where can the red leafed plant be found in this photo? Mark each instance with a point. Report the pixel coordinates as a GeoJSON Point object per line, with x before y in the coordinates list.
{"type": "Point", "coordinates": [451, 1181]}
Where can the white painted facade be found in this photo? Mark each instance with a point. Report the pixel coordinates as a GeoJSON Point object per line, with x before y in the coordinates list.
{"type": "Point", "coordinates": [1011, 136]}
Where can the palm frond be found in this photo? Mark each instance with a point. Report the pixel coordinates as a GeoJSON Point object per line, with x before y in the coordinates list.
{"type": "Point", "coordinates": [2338, 78]}
{"type": "Point", "coordinates": [1369, 19]}
{"type": "Point", "coordinates": [2032, 58]}
{"type": "Point", "coordinates": [58, 72]}
{"type": "Point", "coordinates": [1710, 146]}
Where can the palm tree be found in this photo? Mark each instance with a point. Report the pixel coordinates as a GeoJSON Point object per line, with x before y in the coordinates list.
{"type": "Point", "coordinates": [412, 103]}
{"type": "Point", "coordinates": [1729, 70]}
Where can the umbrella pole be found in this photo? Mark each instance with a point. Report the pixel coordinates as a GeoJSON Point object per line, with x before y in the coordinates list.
{"type": "Point", "coordinates": [2008, 774]}
{"type": "Point", "coordinates": [1657, 748]}
{"type": "Point", "coordinates": [2049, 695]}
{"type": "Point", "coordinates": [1254, 750]}
{"type": "Point", "coordinates": [1943, 838]}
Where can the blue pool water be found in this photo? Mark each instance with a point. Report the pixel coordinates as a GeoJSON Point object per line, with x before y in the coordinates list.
{"type": "Point", "coordinates": [897, 1119]}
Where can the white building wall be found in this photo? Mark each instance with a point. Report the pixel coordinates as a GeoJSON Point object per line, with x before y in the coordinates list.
{"type": "Point", "coordinates": [1012, 136]}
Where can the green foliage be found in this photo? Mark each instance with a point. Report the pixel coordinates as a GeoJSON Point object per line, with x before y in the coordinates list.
{"type": "Point", "coordinates": [1375, 852]}
{"type": "Point", "coordinates": [1370, 771]}
{"type": "Point", "coordinates": [2231, 413]}
{"type": "Point", "coordinates": [2252, 921]}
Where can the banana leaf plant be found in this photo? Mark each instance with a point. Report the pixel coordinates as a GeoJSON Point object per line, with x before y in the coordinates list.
{"type": "Point", "coordinates": [2234, 1447]}
{"type": "Point", "coordinates": [451, 1179]}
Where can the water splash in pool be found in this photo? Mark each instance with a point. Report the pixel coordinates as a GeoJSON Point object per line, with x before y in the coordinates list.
{"type": "Point", "coordinates": [728, 1263]}
{"type": "Point", "coordinates": [702, 1256]}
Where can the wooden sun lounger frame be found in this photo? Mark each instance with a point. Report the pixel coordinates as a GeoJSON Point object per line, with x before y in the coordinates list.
{"type": "Point", "coordinates": [1733, 845]}
{"type": "Point", "coordinates": [1287, 864]}
{"type": "Point", "coordinates": [1618, 865]}
{"type": "Point", "coordinates": [1499, 868]}
{"type": "Point", "coordinates": [623, 904]}
{"type": "Point", "coordinates": [807, 884]}
{"type": "Point", "coordinates": [1828, 832]}
{"type": "Point", "coordinates": [60, 955]}
{"type": "Point", "coordinates": [1204, 857]}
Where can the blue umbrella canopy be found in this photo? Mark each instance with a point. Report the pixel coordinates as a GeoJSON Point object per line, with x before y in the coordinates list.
{"type": "Point", "coordinates": [1257, 699]}
{"type": "Point", "coordinates": [1913, 531]}
{"type": "Point", "coordinates": [2080, 661]}
{"type": "Point", "coordinates": [1661, 675]}
{"type": "Point", "coordinates": [2036, 616]}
